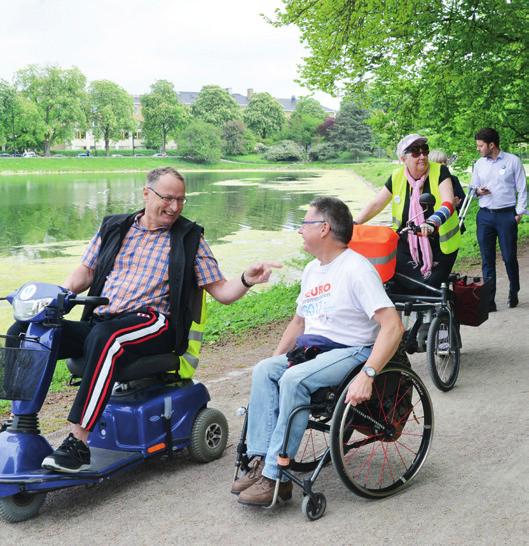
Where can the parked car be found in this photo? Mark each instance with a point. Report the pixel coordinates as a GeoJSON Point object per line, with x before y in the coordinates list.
{"type": "Point", "coordinates": [29, 154]}
{"type": "Point", "coordinates": [5, 155]}
{"type": "Point", "coordinates": [160, 154]}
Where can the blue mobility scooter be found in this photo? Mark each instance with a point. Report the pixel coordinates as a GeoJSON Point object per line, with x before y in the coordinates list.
{"type": "Point", "coordinates": [149, 414]}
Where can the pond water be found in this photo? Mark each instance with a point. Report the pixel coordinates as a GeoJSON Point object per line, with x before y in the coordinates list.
{"type": "Point", "coordinates": [46, 220]}
{"type": "Point", "coordinates": [39, 213]}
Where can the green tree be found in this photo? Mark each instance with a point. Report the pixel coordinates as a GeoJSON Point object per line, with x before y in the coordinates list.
{"type": "Point", "coordinates": [264, 115]}
{"type": "Point", "coordinates": [163, 114]}
{"type": "Point", "coordinates": [8, 99]}
{"type": "Point", "coordinates": [111, 110]}
{"type": "Point", "coordinates": [20, 123]}
{"type": "Point", "coordinates": [216, 106]}
{"type": "Point", "coordinates": [236, 138]}
{"type": "Point", "coordinates": [60, 99]}
{"type": "Point", "coordinates": [447, 67]}
{"type": "Point", "coordinates": [305, 120]}
{"type": "Point", "coordinates": [350, 131]}
{"type": "Point", "coordinates": [200, 142]}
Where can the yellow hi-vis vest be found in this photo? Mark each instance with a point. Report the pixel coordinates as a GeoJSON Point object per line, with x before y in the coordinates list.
{"type": "Point", "coordinates": [189, 360]}
{"type": "Point", "coordinates": [449, 235]}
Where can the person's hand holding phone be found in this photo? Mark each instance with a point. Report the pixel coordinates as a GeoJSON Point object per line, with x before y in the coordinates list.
{"type": "Point", "coordinates": [483, 190]}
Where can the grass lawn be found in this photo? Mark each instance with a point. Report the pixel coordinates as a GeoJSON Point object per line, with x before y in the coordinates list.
{"type": "Point", "coordinates": [44, 165]}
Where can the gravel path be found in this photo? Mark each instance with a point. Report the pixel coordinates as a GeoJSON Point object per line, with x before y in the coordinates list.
{"type": "Point", "coordinates": [473, 488]}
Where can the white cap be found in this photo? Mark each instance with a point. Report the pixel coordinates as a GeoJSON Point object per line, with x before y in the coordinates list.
{"type": "Point", "coordinates": [407, 141]}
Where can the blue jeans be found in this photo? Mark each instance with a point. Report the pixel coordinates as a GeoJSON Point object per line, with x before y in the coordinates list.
{"type": "Point", "coordinates": [277, 390]}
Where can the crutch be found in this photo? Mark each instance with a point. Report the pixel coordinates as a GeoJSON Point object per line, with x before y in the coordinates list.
{"type": "Point", "coordinates": [466, 204]}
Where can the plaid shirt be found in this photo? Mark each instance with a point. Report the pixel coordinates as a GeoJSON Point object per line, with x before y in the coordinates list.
{"type": "Point", "coordinates": [140, 276]}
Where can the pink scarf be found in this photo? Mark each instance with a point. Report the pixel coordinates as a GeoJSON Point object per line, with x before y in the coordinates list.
{"type": "Point", "coordinates": [416, 213]}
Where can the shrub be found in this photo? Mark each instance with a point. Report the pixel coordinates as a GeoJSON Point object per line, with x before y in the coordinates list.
{"type": "Point", "coordinates": [236, 138]}
{"type": "Point", "coordinates": [286, 150]}
{"type": "Point", "coordinates": [323, 151]}
{"type": "Point", "coordinates": [260, 148]}
{"type": "Point", "coordinates": [200, 142]}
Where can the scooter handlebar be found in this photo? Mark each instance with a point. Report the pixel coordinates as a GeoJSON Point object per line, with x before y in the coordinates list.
{"type": "Point", "coordinates": [90, 300]}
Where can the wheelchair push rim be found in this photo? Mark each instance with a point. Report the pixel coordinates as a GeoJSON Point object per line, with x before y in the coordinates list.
{"type": "Point", "coordinates": [378, 446]}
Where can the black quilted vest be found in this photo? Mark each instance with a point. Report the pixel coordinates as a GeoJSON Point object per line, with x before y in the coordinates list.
{"type": "Point", "coordinates": [185, 237]}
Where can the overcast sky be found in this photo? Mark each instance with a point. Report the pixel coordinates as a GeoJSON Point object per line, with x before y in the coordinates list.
{"type": "Point", "coordinates": [191, 43]}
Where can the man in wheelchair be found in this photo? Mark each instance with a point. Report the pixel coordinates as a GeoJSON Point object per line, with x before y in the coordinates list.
{"type": "Point", "coordinates": [152, 265]}
{"type": "Point", "coordinates": [343, 319]}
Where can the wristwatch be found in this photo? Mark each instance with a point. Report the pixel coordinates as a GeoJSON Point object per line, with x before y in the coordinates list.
{"type": "Point", "coordinates": [369, 371]}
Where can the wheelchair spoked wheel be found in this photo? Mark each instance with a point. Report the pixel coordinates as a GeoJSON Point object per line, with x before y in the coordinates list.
{"type": "Point", "coordinates": [442, 353]}
{"type": "Point", "coordinates": [314, 445]}
{"type": "Point", "coordinates": [378, 446]}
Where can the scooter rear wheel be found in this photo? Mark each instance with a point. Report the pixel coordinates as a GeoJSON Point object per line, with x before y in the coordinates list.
{"type": "Point", "coordinates": [209, 436]}
{"type": "Point", "coordinates": [21, 506]}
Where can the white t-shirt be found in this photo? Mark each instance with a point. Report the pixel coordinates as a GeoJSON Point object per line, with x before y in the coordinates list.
{"type": "Point", "coordinates": [338, 300]}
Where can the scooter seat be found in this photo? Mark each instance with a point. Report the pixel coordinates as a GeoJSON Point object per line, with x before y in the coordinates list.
{"type": "Point", "coordinates": [145, 366]}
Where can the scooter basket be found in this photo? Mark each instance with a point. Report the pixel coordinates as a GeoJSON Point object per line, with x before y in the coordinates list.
{"type": "Point", "coordinates": [20, 372]}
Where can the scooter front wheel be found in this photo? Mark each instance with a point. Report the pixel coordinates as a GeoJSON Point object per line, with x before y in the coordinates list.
{"type": "Point", "coordinates": [209, 436]}
{"type": "Point", "coordinates": [21, 506]}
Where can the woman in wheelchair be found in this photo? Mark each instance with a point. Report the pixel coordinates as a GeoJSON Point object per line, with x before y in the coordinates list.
{"type": "Point", "coordinates": [344, 315]}
{"type": "Point", "coordinates": [429, 255]}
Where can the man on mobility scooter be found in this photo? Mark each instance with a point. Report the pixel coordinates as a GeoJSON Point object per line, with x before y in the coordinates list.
{"type": "Point", "coordinates": [344, 319]}
{"type": "Point", "coordinates": [149, 264]}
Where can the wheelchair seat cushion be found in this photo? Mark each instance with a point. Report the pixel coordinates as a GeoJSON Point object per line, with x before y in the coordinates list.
{"type": "Point", "coordinates": [145, 366]}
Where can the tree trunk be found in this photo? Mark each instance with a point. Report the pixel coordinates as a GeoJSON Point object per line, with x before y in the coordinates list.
{"type": "Point", "coordinates": [47, 148]}
{"type": "Point", "coordinates": [164, 139]}
{"type": "Point", "coordinates": [107, 146]}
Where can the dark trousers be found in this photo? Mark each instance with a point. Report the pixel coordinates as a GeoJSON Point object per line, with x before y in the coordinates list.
{"type": "Point", "coordinates": [108, 345]}
{"type": "Point", "coordinates": [498, 225]}
{"type": "Point", "coordinates": [442, 267]}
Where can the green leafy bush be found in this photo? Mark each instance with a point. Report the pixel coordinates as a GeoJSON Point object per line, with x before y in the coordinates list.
{"type": "Point", "coordinates": [200, 142]}
{"type": "Point", "coordinates": [323, 151]}
{"type": "Point", "coordinates": [286, 150]}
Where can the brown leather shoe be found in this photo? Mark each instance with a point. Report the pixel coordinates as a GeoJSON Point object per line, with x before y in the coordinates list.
{"type": "Point", "coordinates": [252, 476]}
{"type": "Point", "coordinates": [261, 493]}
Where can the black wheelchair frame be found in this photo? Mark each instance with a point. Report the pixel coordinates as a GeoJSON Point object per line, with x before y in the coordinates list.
{"type": "Point", "coordinates": [443, 352]}
{"type": "Point", "coordinates": [376, 447]}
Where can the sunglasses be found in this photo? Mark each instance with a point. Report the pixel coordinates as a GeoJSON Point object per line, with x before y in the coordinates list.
{"type": "Point", "coordinates": [416, 151]}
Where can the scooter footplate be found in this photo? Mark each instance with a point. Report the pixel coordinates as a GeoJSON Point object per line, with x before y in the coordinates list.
{"type": "Point", "coordinates": [103, 462]}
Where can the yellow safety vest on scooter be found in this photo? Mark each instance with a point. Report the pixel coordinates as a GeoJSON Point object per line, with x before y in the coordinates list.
{"type": "Point", "coordinates": [189, 360]}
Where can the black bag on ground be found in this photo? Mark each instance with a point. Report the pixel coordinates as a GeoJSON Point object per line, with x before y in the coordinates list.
{"type": "Point", "coordinates": [472, 297]}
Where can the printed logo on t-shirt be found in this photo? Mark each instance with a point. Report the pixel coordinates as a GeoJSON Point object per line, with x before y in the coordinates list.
{"type": "Point", "coordinates": [316, 300]}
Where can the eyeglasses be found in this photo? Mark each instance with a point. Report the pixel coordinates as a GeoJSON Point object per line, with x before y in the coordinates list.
{"type": "Point", "coordinates": [168, 199]}
{"type": "Point", "coordinates": [308, 222]}
{"type": "Point", "coordinates": [416, 151]}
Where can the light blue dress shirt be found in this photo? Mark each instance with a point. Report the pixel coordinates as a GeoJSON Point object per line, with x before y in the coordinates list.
{"type": "Point", "coordinates": [504, 177]}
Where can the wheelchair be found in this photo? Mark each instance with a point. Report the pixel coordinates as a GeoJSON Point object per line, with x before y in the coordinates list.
{"type": "Point", "coordinates": [376, 447]}
{"type": "Point", "coordinates": [435, 329]}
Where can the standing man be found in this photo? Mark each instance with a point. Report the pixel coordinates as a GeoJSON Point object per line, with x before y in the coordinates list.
{"type": "Point", "coordinates": [151, 264]}
{"type": "Point", "coordinates": [500, 183]}
{"type": "Point", "coordinates": [343, 310]}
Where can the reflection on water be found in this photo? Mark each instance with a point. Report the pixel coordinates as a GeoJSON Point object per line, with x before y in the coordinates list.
{"type": "Point", "coordinates": [39, 213]}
